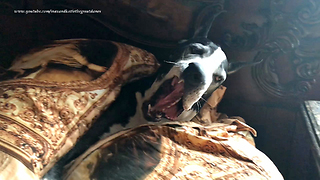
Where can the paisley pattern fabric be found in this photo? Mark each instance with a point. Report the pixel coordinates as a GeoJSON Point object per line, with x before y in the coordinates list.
{"type": "Point", "coordinates": [175, 151]}
{"type": "Point", "coordinates": [212, 146]}
{"type": "Point", "coordinates": [41, 120]}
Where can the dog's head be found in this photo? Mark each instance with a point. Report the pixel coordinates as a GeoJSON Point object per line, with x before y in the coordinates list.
{"type": "Point", "coordinates": [198, 66]}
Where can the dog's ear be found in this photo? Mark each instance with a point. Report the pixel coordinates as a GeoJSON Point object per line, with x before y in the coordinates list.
{"type": "Point", "coordinates": [205, 24]}
{"type": "Point", "coordinates": [235, 66]}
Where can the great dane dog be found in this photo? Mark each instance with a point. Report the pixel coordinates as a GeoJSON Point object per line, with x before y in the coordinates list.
{"type": "Point", "coordinates": [198, 67]}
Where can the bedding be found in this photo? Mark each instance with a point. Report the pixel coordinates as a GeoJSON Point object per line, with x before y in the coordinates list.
{"type": "Point", "coordinates": [43, 112]}
{"type": "Point", "coordinates": [42, 118]}
{"type": "Point", "coordinates": [213, 146]}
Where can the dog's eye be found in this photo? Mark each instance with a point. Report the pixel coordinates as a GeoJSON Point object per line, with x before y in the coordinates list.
{"type": "Point", "coordinates": [195, 49]}
{"type": "Point", "coordinates": [217, 78]}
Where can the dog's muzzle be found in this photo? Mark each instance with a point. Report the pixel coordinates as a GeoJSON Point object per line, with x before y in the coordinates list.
{"type": "Point", "coordinates": [193, 76]}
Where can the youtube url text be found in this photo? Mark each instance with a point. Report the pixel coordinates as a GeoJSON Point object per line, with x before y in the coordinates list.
{"type": "Point", "coordinates": [53, 11]}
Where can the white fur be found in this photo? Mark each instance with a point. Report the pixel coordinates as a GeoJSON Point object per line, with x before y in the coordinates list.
{"type": "Point", "coordinates": [209, 66]}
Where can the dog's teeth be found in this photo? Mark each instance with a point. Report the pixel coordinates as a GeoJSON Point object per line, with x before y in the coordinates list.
{"type": "Point", "coordinates": [149, 110]}
{"type": "Point", "coordinates": [176, 101]}
{"type": "Point", "coordinates": [181, 81]}
{"type": "Point", "coordinates": [149, 107]}
{"type": "Point", "coordinates": [172, 104]}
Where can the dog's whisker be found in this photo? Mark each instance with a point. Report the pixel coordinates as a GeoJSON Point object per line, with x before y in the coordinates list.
{"type": "Point", "coordinates": [170, 62]}
{"type": "Point", "coordinates": [198, 106]}
{"type": "Point", "coordinates": [205, 101]}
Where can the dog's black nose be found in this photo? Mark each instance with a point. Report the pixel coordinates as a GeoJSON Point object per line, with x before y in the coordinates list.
{"type": "Point", "coordinates": [193, 75]}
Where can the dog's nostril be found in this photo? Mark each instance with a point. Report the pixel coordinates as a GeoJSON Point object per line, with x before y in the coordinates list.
{"type": "Point", "coordinates": [196, 77]}
{"type": "Point", "coordinates": [193, 74]}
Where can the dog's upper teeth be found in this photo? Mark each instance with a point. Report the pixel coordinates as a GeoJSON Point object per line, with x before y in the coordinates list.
{"type": "Point", "coordinates": [181, 81]}
{"type": "Point", "coordinates": [172, 104]}
{"type": "Point", "coordinates": [176, 102]}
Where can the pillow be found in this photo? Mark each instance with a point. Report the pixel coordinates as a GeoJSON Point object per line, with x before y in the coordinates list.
{"type": "Point", "coordinates": [40, 118]}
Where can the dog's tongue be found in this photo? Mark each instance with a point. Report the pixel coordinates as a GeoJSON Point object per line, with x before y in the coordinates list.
{"type": "Point", "coordinates": [167, 104]}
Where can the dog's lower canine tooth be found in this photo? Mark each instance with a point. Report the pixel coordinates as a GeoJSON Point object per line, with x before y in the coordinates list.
{"type": "Point", "coordinates": [149, 107]}
{"type": "Point", "coordinates": [181, 81]}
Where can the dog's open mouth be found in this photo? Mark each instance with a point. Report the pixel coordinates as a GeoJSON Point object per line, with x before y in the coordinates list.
{"type": "Point", "coordinates": [166, 102]}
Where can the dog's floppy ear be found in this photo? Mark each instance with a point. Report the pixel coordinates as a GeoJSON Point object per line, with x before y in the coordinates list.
{"type": "Point", "coordinates": [235, 66]}
{"type": "Point", "coordinates": [205, 24]}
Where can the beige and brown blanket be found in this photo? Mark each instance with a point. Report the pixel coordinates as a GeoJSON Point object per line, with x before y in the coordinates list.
{"type": "Point", "coordinates": [43, 111]}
